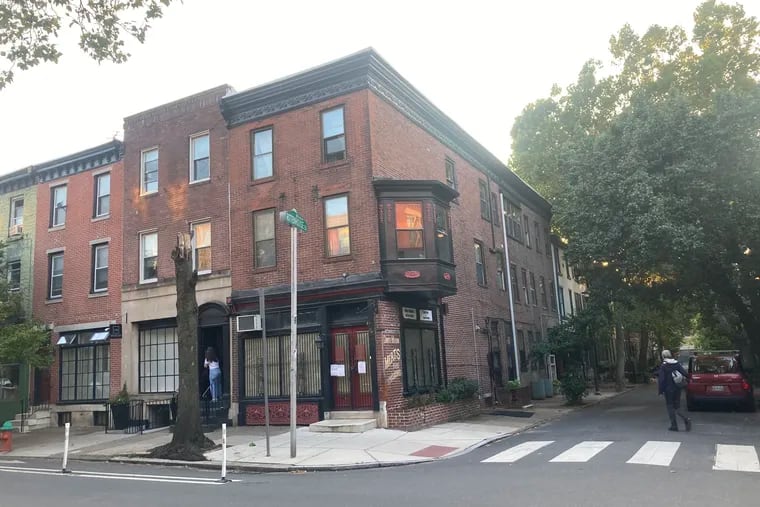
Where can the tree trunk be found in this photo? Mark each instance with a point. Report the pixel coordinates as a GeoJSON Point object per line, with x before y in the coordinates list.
{"type": "Point", "coordinates": [620, 357]}
{"type": "Point", "coordinates": [644, 354]}
{"type": "Point", "coordinates": [188, 441]}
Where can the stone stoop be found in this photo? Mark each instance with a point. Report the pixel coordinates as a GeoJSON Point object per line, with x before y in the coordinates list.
{"type": "Point", "coordinates": [343, 425]}
{"type": "Point", "coordinates": [38, 420]}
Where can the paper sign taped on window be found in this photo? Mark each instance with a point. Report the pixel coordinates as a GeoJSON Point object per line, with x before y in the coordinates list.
{"type": "Point", "coordinates": [362, 366]}
{"type": "Point", "coordinates": [337, 370]}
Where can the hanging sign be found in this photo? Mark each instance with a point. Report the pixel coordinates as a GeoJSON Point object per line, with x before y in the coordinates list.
{"type": "Point", "coordinates": [426, 315]}
{"type": "Point", "coordinates": [409, 313]}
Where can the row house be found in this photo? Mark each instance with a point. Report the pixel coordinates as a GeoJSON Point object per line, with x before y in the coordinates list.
{"type": "Point", "coordinates": [426, 259]}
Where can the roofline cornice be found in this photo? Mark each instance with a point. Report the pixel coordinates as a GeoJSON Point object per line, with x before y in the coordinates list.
{"type": "Point", "coordinates": [368, 70]}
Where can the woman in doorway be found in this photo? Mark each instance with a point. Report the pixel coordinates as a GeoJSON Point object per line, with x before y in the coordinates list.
{"type": "Point", "coordinates": [214, 373]}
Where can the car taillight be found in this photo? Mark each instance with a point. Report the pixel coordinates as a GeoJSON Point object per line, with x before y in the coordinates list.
{"type": "Point", "coordinates": [745, 385]}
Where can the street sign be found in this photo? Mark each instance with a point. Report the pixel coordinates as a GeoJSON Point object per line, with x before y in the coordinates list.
{"type": "Point", "coordinates": [294, 219]}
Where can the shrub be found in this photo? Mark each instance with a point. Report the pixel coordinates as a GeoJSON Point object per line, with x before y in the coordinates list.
{"type": "Point", "coordinates": [458, 389]}
{"type": "Point", "coordinates": [513, 384]}
{"type": "Point", "coordinates": [573, 387]}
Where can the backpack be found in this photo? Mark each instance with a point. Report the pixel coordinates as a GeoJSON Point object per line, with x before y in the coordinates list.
{"type": "Point", "coordinates": [678, 379]}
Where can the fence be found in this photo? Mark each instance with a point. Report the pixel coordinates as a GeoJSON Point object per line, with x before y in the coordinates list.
{"type": "Point", "coordinates": [27, 411]}
{"type": "Point", "coordinates": [138, 416]}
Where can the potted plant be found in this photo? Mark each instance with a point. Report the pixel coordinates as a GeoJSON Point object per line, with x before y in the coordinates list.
{"type": "Point", "coordinates": [120, 409]}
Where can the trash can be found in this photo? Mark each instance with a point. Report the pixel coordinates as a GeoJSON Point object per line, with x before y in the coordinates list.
{"type": "Point", "coordinates": [6, 437]}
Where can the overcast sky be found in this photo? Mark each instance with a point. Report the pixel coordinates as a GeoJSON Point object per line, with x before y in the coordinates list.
{"type": "Point", "coordinates": [479, 61]}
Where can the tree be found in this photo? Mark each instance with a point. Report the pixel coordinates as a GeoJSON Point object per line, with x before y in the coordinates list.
{"type": "Point", "coordinates": [654, 170]}
{"type": "Point", "coordinates": [188, 440]}
{"type": "Point", "coordinates": [29, 29]}
{"type": "Point", "coordinates": [21, 339]}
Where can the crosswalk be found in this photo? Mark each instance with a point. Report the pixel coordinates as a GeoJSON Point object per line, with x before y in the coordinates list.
{"type": "Point", "coordinates": [737, 458]}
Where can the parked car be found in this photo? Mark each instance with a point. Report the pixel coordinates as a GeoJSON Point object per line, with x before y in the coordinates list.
{"type": "Point", "coordinates": [718, 378]}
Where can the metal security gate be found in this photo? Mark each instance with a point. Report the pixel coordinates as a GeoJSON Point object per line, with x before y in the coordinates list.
{"type": "Point", "coordinates": [351, 369]}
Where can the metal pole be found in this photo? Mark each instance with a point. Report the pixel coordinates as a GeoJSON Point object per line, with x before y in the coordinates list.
{"type": "Point", "coordinates": [224, 452]}
{"type": "Point", "coordinates": [293, 335]}
{"type": "Point", "coordinates": [66, 448]}
{"type": "Point", "coordinates": [262, 314]}
{"type": "Point", "coordinates": [508, 267]}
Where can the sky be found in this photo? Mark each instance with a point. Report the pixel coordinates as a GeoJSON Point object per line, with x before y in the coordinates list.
{"type": "Point", "coordinates": [480, 62]}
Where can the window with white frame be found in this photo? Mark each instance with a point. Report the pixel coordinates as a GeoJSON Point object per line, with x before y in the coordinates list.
{"type": "Point", "coordinates": [336, 226]}
{"type": "Point", "coordinates": [264, 239]}
{"type": "Point", "coordinates": [333, 135]}
{"type": "Point", "coordinates": [58, 206]}
{"type": "Point", "coordinates": [200, 159]}
{"type": "Point", "coordinates": [55, 282]}
{"type": "Point", "coordinates": [149, 171]}
{"type": "Point", "coordinates": [262, 147]}
{"type": "Point", "coordinates": [202, 247]}
{"type": "Point", "coordinates": [148, 257]}
{"type": "Point", "coordinates": [501, 275]}
{"type": "Point", "coordinates": [533, 294]}
{"type": "Point", "coordinates": [102, 194]}
{"type": "Point", "coordinates": [100, 267]}
{"type": "Point", "coordinates": [480, 267]}
{"type": "Point", "coordinates": [159, 360]}
{"type": "Point", "coordinates": [14, 275]}
{"type": "Point", "coordinates": [17, 212]}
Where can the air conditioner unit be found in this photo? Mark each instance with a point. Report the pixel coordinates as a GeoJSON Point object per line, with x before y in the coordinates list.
{"type": "Point", "coordinates": [248, 323]}
{"type": "Point", "coordinates": [15, 230]}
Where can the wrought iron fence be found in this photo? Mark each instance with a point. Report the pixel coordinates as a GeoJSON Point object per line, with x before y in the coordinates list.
{"type": "Point", "coordinates": [214, 412]}
{"type": "Point", "coordinates": [27, 411]}
{"type": "Point", "coordinates": [138, 416]}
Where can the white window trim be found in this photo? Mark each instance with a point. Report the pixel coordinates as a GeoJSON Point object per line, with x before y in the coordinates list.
{"type": "Point", "coordinates": [15, 200]}
{"type": "Point", "coordinates": [95, 266]}
{"type": "Point", "coordinates": [96, 179]}
{"type": "Point", "coordinates": [142, 257]}
{"type": "Point", "coordinates": [52, 204]}
{"type": "Point", "coordinates": [193, 224]}
{"type": "Point", "coordinates": [50, 275]}
{"type": "Point", "coordinates": [192, 156]}
{"type": "Point", "coordinates": [142, 170]}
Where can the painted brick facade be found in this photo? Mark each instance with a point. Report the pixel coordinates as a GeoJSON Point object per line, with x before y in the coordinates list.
{"type": "Point", "coordinates": [20, 247]}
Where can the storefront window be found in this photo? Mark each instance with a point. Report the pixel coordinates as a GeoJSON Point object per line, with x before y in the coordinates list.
{"type": "Point", "coordinates": [159, 360]}
{"type": "Point", "coordinates": [278, 366]}
{"type": "Point", "coordinates": [85, 366]}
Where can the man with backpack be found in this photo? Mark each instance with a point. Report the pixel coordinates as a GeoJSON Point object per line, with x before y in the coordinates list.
{"type": "Point", "coordinates": [671, 380]}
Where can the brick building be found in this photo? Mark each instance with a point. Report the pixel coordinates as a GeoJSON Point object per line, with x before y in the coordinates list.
{"type": "Point", "coordinates": [77, 279]}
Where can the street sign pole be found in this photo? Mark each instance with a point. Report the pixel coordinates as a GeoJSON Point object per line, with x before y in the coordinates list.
{"type": "Point", "coordinates": [296, 223]}
{"type": "Point", "coordinates": [293, 335]}
{"type": "Point", "coordinates": [262, 313]}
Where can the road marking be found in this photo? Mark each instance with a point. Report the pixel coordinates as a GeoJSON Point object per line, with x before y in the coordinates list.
{"type": "Point", "coordinates": [739, 458]}
{"type": "Point", "coordinates": [117, 476]}
{"type": "Point", "coordinates": [655, 453]}
{"type": "Point", "coordinates": [582, 452]}
{"type": "Point", "coordinates": [517, 452]}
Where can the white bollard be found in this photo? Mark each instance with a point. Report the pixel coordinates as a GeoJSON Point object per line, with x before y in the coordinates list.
{"type": "Point", "coordinates": [224, 452]}
{"type": "Point", "coordinates": [66, 449]}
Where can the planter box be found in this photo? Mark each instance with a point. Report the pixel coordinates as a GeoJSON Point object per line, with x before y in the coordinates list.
{"type": "Point", "coordinates": [514, 398]}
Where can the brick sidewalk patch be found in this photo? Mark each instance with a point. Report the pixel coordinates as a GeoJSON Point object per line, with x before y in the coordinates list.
{"type": "Point", "coordinates": [434, 451]}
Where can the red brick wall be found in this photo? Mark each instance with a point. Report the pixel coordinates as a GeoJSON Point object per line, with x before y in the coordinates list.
{"type": "Point", "coordinates": [415, 418]}
{"type": "Point", "coordinates": [301, 181]}
{"type": "Point", "coordinates": [388, 346]}
{"type": "Point", "coordinates": [177, 203]}
{"type": "Point", "coordinates": [279, 413]}
{"type": "Point", "coordinates": [78, 305]}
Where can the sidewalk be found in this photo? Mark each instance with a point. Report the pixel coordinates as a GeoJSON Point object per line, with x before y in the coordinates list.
{"type": "Point", "coordinates": [246, 445]}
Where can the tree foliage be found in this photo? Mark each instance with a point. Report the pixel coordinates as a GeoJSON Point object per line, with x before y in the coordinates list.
{"type": "Point", "coordinates": [30, 29]}
{"type": "Point", "coordinates": [653, 164]}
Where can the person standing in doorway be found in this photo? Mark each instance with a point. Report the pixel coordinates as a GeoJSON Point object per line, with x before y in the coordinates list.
{"type": "Point", "coordinates": [670, 370]}
{"type": "Point", "coordinates": [214, 373]}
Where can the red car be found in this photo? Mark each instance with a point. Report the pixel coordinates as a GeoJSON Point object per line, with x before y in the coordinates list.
{"type": "Point", "coordinates": [718, 378]}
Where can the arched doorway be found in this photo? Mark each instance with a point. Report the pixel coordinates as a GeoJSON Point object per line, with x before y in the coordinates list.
{"type": "Point", "coordinates": [214, 331]}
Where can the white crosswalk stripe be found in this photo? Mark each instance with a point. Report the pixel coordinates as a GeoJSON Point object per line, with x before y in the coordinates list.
{"type": "Point", "coordinates": [655, 453]}
{"type": "Point", "coordinates": [739, 458]}
{"type": "Point", "coordinates": [517, 452]}
{"type": "Point", "coordinates": [582, 452]}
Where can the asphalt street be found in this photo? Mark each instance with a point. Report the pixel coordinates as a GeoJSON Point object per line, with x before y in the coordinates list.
{"type": "Point", "coordinates": [617, 453]}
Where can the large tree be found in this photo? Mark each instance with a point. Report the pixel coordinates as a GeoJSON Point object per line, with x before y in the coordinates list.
{"type": "Point", "coordinates": [30, 29]}
{"type": "Point", "coordinates": [654, 169]}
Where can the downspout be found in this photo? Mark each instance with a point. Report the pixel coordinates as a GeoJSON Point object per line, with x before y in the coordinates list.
{"type": "Point", "coordinates": [556, 281]}
{"type": "Point", "coordinates": [508, 267]}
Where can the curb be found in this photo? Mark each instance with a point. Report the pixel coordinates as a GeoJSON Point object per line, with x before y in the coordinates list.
{"type": "Point", "coordinates": [277, 467]}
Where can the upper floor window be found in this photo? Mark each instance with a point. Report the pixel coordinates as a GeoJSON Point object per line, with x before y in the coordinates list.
{"type": "Point", "coordinates": [480, 267]}
{"type": "Point", "coordinates": [553, 295]}
{"type": "Point", "coordinates": [202, 247]}
{"type": "Point", "coordinates": [264, 239]}
{"type": "Point", "coordinates": [100, 268]}
{"type": "Point", "coordinates": [501, 275]}
{"type": "Point", "coordinates": [513, 280]}
{"type": "Point", "coordinates": [485, 204]}
{"type": "Point", "coordinates": [55, 281]}
{"type": "Point", "coordinates": [451, 175]}
{"type": "Point", "coordinates": [495, 209]}
{"type": "Point", "coordinates": [148, 257]}
{"type": "Point", "coordinates": [561, 302]}
{"type": "Point", "coordinates": [14, 275]}
{"type": "Point", "coordinates": [336, 226]}
{"type": "Point", "coordinates": [262, 150]}
{"type": "Point", "coordinates": [409, 229]}
{"type": "Point", "coordinates": [149, 171]}
{"type": "Point", "coordinates": [526, 228]}
{"type": "Point", "coordinates": [58, 206]}
{"type": "Point", "coordinates": [102, 194]}
{"type": "Point", "coordinates": [547, 242]}
{"type": "Point", "coordinates": [17, 214]}
{"type": "Point", "coordinates": [542, 288]}
{"type": "Point", "coordinates": [443, 234]}
{"type": "Point", "coordinates": [200, 159]}
{"type": "Point", "coordinates": [533, 296]}
{"type": "Point", "coordinates": [514, 223]}
{"type": "Point", "coordinates": [525, 286]}
{"type": "Point", "coordinates": [537, 233]}
{"type": "Point", "coordinates": [333, 135]}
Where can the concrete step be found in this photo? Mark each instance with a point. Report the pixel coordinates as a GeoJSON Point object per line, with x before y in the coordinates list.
{"type": "Point", "coordinates": [343, 426]}
{"type": "Point", "coordinates": [32, 425]}
{"type": "Point", "coordinates": [39, 414]}
{"type": "Point", "coordinates": [350, 414]}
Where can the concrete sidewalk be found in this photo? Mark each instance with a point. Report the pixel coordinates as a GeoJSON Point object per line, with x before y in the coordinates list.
{"type": "Point", "coordinates": [246, 445]}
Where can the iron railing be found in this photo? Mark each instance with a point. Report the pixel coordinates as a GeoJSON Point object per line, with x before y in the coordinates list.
{"type": "Point", "coordinates": [138, 416]}
{"type": "Point", "coordinates": [27, 411]}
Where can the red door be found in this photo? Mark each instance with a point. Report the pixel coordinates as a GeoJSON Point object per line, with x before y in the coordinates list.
{"type": "Point", "coordinates": [350, 369]}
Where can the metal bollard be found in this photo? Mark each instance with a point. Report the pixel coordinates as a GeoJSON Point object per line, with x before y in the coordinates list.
{"type": "Point", "coordinates": [66, 449]}
{"type": "Point", "coordinates": [224, 453]}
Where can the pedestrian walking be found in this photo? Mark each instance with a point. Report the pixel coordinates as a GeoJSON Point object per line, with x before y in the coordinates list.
{"type": "Point", "coordinates": [214, 373]}
{"type": "Point", "coordinates": [671, 379]}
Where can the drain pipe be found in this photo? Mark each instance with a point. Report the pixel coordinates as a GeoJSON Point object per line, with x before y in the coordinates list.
{"type": "Point", "coordinates": [508, 267]}
{"type": "Point", "coordinates": [555, 251]}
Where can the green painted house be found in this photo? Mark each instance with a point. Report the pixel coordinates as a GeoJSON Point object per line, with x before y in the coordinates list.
{"type": "Point", "coordinates": [18, 206]}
